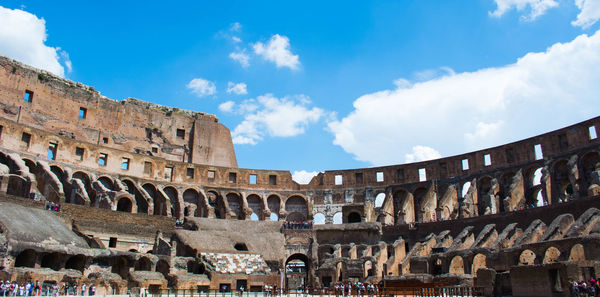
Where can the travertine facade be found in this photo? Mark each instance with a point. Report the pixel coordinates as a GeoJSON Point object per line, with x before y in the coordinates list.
{"type": "Point", "coordinates": [496, 218]}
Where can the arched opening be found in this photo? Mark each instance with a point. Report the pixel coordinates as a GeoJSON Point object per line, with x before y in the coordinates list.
{"type": "Point", "coordinates": [337, 217]}
{"type": "Point", "coordinates": [87, 186]}
{"type": "Point", "coordinates": [436, 268]}
{"type": "Point", "coordinates": [274, 204]}
{"type": "Point", "coordinates": [404, 207]}
{"type": "Point", "coordinates": [140, 201]}
{"type": "Point", "coordinates": [192, 198]}
{"type": "Point", "coordinates": [379, 199]}
{"type": "Point", "coordinates": [52, 261]}
{"type": "Point", "coordinates": [319, 219]}
{"type": "Point", "coordinates": [76, 263]}
{"type": "Point", "coordinates": [297, 208]}
{"type": "Point", "coordinates": [26, 258]}
{"type": "Point", "coordinates": [537, 177]}
{"type": "Point", "coordinates": [107, 182]}
{"type": "Point", "coordinates": [163, 267]}
{"type": "Point", "coordinates": [235, 205]}
{"type": "Point", "coordinates": [486, 202]}
{"type": "Point", "coordinates": [551, 255]}
{"type": "Point", "coordinates": [465, 189]}
{"type": "Point", "coordinates": [479, 261]}
{"type": "Point", "coordinates": [31, 165]}
{"type": "Point", "coordinates": [256, 205]}
{"type": "Point", "coordinates": [120, 266]}
{"type": "Point", "coordinates": [216, 202]}
{"type": "Point", "coordinates": [124, 205]}
{"type": "Point", "coordinates": [354, 217]}
{"type": "Point", "coordinates": [273, 217]}
{"type": "Point", "coordinates": [160, 205]}
{"type": "Point", "coordinates": [425, 204]}
{"type": "Point", "coordinates": [296, 272]}
{"type": "Point", "coordinates": [240, 246]}
{"type": "Point", "coordinates": [587, 165]}
{"type": "Point", "coordinates": [368, 269]}
{"type": "Point", "coordinates": [457, 266]}
{"type": "Point", "coordinates": [173, 196]}
{"type": "Point", "coordinates": [560, 181]}
{"type": "Point", "coordinates": [527, 257]}
{"type": "Point", "coordinates": [195, 267]}
{"type": "Point", "coordinates": [254, 217]}
{"type": "Point", "coordinates": [143, 264]}
{"type": "Point", "coordinates": [577, 253]}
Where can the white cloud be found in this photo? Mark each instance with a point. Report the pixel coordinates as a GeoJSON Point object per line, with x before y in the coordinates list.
{"type": "Point", "coordinates": [23, 36]}
{"type": "Point", "coordinates": [235, 27]}
{"type": "Point", "coordinates": [236, 39]}
{"type": "Point", "coordinates": [277, 50]}
{"type": "Point", "coordinates": [589, 14]}
{"type": "Point", "coordinates": [422, 153]}
{"type": "Point", "coordinates": [492, 106]}
{"type": "Point", "coordinates": [238, 89]}
{"type": "Point", "coordinates": [536, 7]}
{"type": "Point", "coordinates": [303, 177]}
{"type": "Point", "coordinates": [240, 57]}
{"type": "Point", "coordinates": [202, 87]}
{"type": "Point", "coordinates": [226, 106]}
{"type": "Point", "coordinates": [276, 117]}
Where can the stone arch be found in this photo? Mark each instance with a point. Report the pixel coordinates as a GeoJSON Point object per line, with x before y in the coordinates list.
{"type": "Point", "coordinates": [26, 258]}
{"type": "Point", "coordinates": [457, 266]}
{"type": "Point", "coordinates": [140, 200]}
{"type": "Point", "coordinates": [379, 199]}
{"type": "Point", "coordinates": [465, 188]}
{"type": "Point", "coordinates": [255, 203]}
{"type": "Point", "coordinates": [527, 257]}
{"type": "Point", "coordinates": [425, 204]}
{"type": "Point", "coordinates": [160, 203]}
{"type": "Point", "coordinates": [173, 196]}
{"type": "Point", "coordinates": [354, 217]}
{"type": "Point", "coordinates": [215, 200]}
{"type": "Point", "coordinates": [319, 218]}
{"type": "Point", "coordinates": [234, 200]}
{"type": "Point", "coordinates": [191, 197]}
{"type": "Point", "coordinates": [577, 253]}
{"type": "Point", "coordinates": [53, 261]}
{"type": "Point", "coordinates": [85, 179]}
{"type": "Point", "coordinates": [195, 267]}
{"type": "Point", "coordinates": [124, 204]}
{"type": "Point", "coordinates": [479, 261]}
{"type": "Point", "coordinates": [337, 218]}
{"type": "Point", "coordinates": [404, 207]}
{"type": "Point", "coordinates": [76, 263]}
{"type": "Point", "coordinates": [120, 266]}
{"type": "Point", "coordinates": [486, 199]}
{"type": "Point", "coordinates": [143, 264]}
{"type": "Point", "coordinates": [551, 255]}
{"type": "Point", "coordinates": [505, 183]}
{"type": "Point", "coordinates": [18, 186]}
{"type": "Point", "coordinates": [299, 264]}
{"type": "Point", "coordinates": [560, 179]}
{"type": "Point", "coordinates": [587, 165]}
{"type": "Point", "coordinates": [368, 269]}
{"type": "Point", "coordinates": [436, 267]}
{"type": "Point", "coordinates": [274, 204]}
{"type": "Point", "coordinates": [297, 208]}
{"type": "Point", "coordinates": [107, 182]}
{"type": "Point", "coordinates": [59, 172]}
{"type": "Point", "coordinates": [31, 165]}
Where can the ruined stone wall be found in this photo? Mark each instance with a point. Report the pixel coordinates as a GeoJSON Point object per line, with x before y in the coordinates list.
{"type": "Point", "coordinates": [79, 112]}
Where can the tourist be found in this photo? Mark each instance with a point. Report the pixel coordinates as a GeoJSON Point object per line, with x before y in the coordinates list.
{"type": "Point", "coordinates": [83, 290]}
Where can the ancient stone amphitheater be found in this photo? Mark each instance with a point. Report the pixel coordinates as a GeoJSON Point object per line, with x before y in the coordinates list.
{"type": "Point", "coordinates": [522, 218]}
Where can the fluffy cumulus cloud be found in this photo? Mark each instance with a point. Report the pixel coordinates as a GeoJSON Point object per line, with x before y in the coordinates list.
{"type": "Point", "coordinates": [226, 106]}
{"type": "Point", "coordinates": [466, 111]}
{"type": "Point", "coordinates": [536, 7]}
{"type": "Point", "coordinates": [589, 13]}
{"type": "Point", "coordinates": [23, 37]}
{"type": "Point", "coordinates": [238, 89]}
{"type": "Point", "coordinates": [303, 177]}
{"type": "Point", "coordinates": [202, 87]}
{"type": "Point", "coordinates": [272, 116]}
{"type": "Point", "coordinates": [422, 153]}
{"type": "Point", "coordinates": [240, 57]}
{"type": "Point", "coordinates": [277, 50]}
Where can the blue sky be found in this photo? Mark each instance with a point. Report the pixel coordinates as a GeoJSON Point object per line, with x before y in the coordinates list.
{"type": "Point", "coordinates": [317, 86]}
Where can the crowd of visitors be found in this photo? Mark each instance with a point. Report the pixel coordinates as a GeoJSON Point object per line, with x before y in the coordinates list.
{"type": "Point", "coordinates": [53, 206]}
{"type": "Point", "coordinates": [179, 223]}
{"type": "Point", "coordinates": [14, 289]}
{"type": "Point", "coordinates": [298, 225]}
{"type": "Point", "coordinates": [357, 288]}
{"type": "Point", "coordinates": [590, 288]}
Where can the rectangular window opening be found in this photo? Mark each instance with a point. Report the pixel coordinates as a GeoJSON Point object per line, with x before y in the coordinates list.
{"type": "Point", "coordinates": [169, 173]}
{"type": "Point", "coordinates": [154, 150]}
{"type": "Point", "coordinates": [252, 179]}
{"type": "Point", "coordinates": [28, 97]}
{"type": "Point", "coordinates": [211, 176]}
{"type": "Point", "coordinates": [181, 133]}
{"type": "Point", "coordinates": [148, 168]}
{"type": "Point", "coordinates": [592, 132]}
{"type": "Point", "coordinates": [465, 164]}
{"type": "Point", "coordinates": [189, 172]}
{"type": "Point", "coordinates": [379, 176]}
{"type": "Point", "coordinates": [272, 180]}
{"type": "Point", "coordinates": [232, 177]}
{"type": "Point", "coordinates": [538, 151]}
{"type": "Point", "coordinates": [422, 174]}
{"type": "Point", "coordinates": [82, 113]}
{"type": "Point", "coordinates": [105, 140]}
{"type": "Point", "coordinates": [102, 159]}
{"type": "Point", "coordinates": [112, 242]}
{"type": "Point", "coordinates": [79, 153]}
{"type": "Point", "coordinates": [125, 164]}
{"type": "Point", "coordinates": [26, 139]}
{"type": "Point", "coordinates": [487, 160]}
{"type": "Point", "coordinates": [338, 179]}
{"type": "Point", "coordinates": [52, 147]}
{"type": "Point", "coordinates": [400, 174]}
{"type": "Point", "coordinates": [359, 177]}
